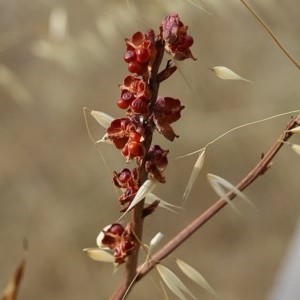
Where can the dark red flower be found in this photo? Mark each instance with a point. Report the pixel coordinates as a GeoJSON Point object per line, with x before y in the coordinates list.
{"type": "Point", "coordinates": [125, 178]}
{"type": "Point", "coordinates": [136, 86]}
{"type": "Point", "coordinates": [125, 100]}
{"type": "Point", "coordinates": [118, 133]}
{"type": "Point", "coordinates": [178, 42]}
{"type": "Point", "coordinates": [111, 235]}
{"type": "Point", "coordinates": [156, 162]}
{"type": "Point", "coordinates": [118, 239]}
{"type": "Point", "coordinates": [139, 105]}
{"type": "Point", "coordinates": [167, 110]}
{"type": "Point", "coordinates": [128, 181]}
{"type": "Point", "coordinates": [140, 52]}
{"type": "Point", "coordinates": [127, 197]}
{"type": "Point", "coordinates": [127, 134]}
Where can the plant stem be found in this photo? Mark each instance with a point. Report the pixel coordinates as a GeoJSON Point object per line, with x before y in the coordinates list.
{"type": "Point", "coordinates": [261, 167]}
{"type": "Point", "coordinates": [137, 212]}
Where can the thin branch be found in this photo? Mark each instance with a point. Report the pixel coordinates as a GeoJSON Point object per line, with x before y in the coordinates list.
{"type": "Point", "coordinates": [258, 18]}
{"type": "Point", "coordinates": [137, 212]}
{"type": "Point", "coordinates": [262, 166]}
{"type": "Point", "coordinates": [134, 273]}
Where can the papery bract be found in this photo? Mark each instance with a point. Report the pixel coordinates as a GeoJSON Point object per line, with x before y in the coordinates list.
{"type": "Point", "coordinates": [127, 134]}
{"type": "Point", "coordinates": [156, 162]}
{"type": "Point", "coordinates": [128, 181]}
{"type": "Point", "coordinates": [140, 52]}
{"type": "Point", "coordinates": [167, 110]}
{"type": "Point", "coordinates": [178, 42]}
{"type": "Point", "coordinates": [118, 239]}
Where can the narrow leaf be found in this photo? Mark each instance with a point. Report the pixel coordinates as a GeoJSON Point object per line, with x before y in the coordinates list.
{"type": "Point", "coordinates": [99, 255]}
{"type": "Point", "coordinates": [102, 118]}
{"type": "Point", "coordinates": [173, 282]}
{"type": "Point", "coordinates": [165, 295]}
{"type": "Point", "coordinates": [11, 289]}
{"type": "Point", "coordinates": [58, 24]}
{"type": "Point", "coordinates": [195, 276]}
{"type": "Point", "coordinates": [196, 170]}
{"type": "Point", "coordinates": [295, 130]}
{"type": "Point", "coordinates": [220, 191]}
{"type": "Point", "coordinates": [164, 204]}
{"type": "Point", "coordinates": [155, 240]}
{"type": "Point", "coordinates": [296, 148]}
{"type": "Point", "coordinates": [147, 187]}
{"type": "Point", "coordinates": [227, 74]}
{"type": "Point", "coordinates": [232, 188]}
{"type": "Point", "coordinates": [218, 183]}
{"type": "Point", "coordinates": [13, 86]}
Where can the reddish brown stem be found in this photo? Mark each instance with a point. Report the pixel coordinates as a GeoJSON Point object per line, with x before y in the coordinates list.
{"type": "Point", "coordinates": [262, 166]}
{"type": "Point", "coordinates": [137, 212]}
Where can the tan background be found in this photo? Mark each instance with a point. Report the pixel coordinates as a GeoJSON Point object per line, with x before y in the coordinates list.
{"type": "Point", "coordinates": [55, 190]}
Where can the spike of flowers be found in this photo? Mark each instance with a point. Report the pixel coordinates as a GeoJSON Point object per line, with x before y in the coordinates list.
{"type": "Point", "coordinates": [145, 112]}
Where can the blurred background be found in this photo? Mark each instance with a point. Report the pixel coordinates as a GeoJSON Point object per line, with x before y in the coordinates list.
{"type": "Point", "coordinates": [57, 57]}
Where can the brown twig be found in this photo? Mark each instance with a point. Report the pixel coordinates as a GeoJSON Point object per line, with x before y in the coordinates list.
{"type": "Point", "coordinates": [137, 212]}
{"type": "Point", "coordinates": [261, 167]}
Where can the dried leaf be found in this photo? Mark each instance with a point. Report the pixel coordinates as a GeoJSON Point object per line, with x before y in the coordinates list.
{"type": "Point", "coordinates": [102, 118]}
{"type": "Point", "coordinates": [227, 74]}
{"type": "Point", "coordinates": [101, 235]}
{"type": "Point", "coordinates": [173, 282]}
{"type": "Point", "coordinates": [166, 73]}
{"type": "Point", "coordinates": [99, 255]}
{"type": "Point", "coordinates": [195, 276]}
{"type": "Point", "coordinates": [11, 289]}
{"type": "Point", "coordinates": [220, 191]}
{"type": "Point", "coordinates": [13, 86]}
{"type": "Point", "coordinates": [295, 130]}
{"type": "Point", "coordinates": [58, 23]}
{"type": "Point", "coordinates": [296, 148]}
{"type": "Point", "coordinates": [155, 240]}
{"type": "Point", "coordinates": [218, 184]}
{"type": "Point", "coordinates": [147, 187]}
{"type": "Point", "coordinates": [164, 292]}
{"type": "Point", "coordinates": [164, 204]}
{"type": "Point", "coordinates": [196, 170]}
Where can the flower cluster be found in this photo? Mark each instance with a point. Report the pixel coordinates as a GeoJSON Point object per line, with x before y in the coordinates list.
{"type": "Point", "coordinates": [178, 42]}
{"type": "Point", "coordinates": [167, 110]}
{"type": "Point", "coordinates": [118, 239]}
{"type": "Point", "coordinates": [140, 52]}
{"type": "Point", "coordinates": [145, 113]}
{"type": "Point", "coordinates": [128, 181]}
{"type": "Point", "coordinates": [156, 162]}
{"type": "Point", "coordinates": [135, 95]}
{"type": "Point", "coordinates": [127, 134]}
